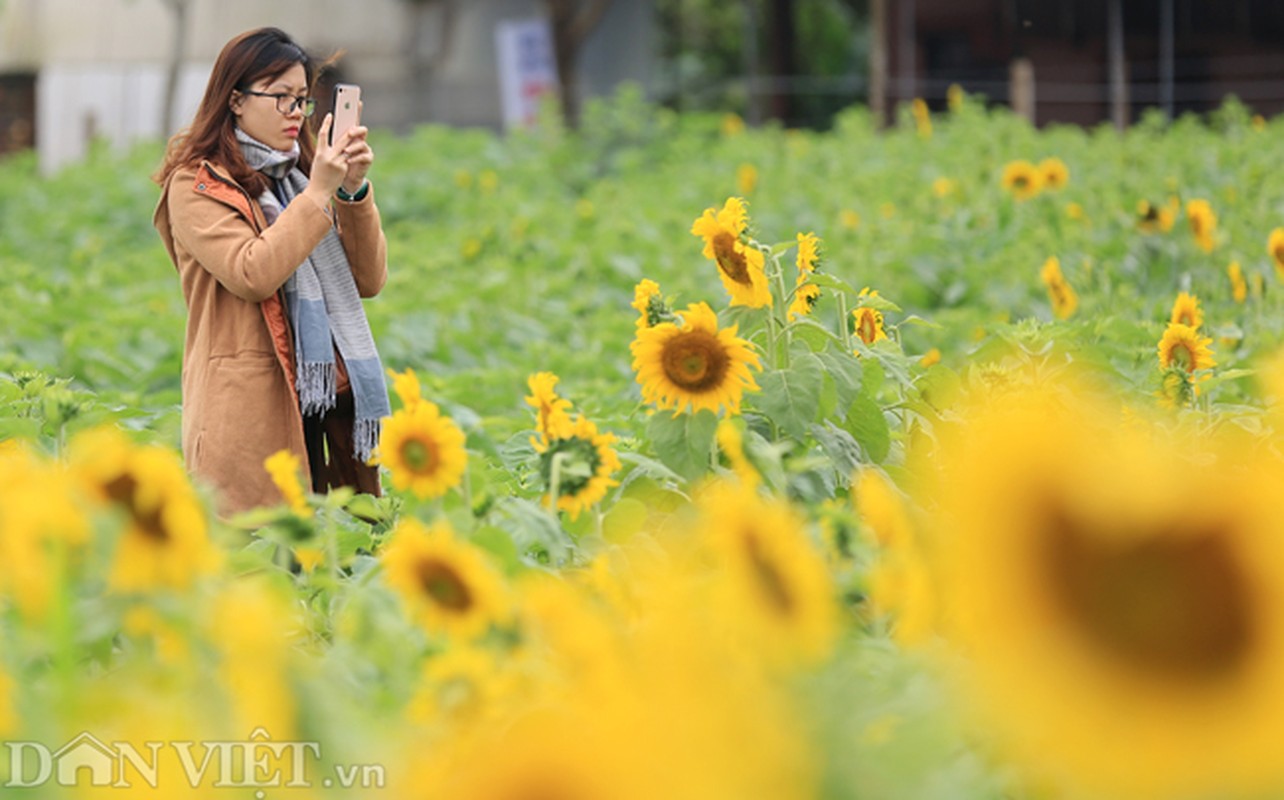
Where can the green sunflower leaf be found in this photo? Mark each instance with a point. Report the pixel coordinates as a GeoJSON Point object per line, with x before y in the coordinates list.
{"type": "Point", "coordinates": [828, 281]}
{"type": "Point", "coordinates": [684, 442]}
{"type": "Point", "coordinates": [791, 397]}
{"type": "Point", "coordinates": [845, 372]}
{"type": "Point", "coordinates": [866, 423]}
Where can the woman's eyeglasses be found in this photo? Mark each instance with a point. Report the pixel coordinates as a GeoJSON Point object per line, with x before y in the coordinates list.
{"type": "Point", "coordinates": [286, 103]}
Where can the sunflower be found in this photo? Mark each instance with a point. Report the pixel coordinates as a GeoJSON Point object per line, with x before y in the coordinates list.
{"type": "Point", "coordinates": [805, 297]}
{"type": "Point", "coordinates": [283, 467]}
{"type": "Point", "coordinates": [1152, 218]}
{"type": "Point", "coordinates": [900, 584]}
{"type": "Point", "coordinates": [770, 574]}
{"type": "Point", "coordinates": [584, 461]}
{"type": "Point", "coordinates": [943, 187]}
{"type": "Point", "coordinates": [551, 411]}
{"type": "Point", "coordinates": [740, 264]}
{"type": "Point", "coordinates": [1022, 179]}
{"type": "Point", "coordinates": [694, 365]}
{"type": "Point", "coordinates": [164, 541]}
{"type": "Point", "coordinates": [808, 257]}
{"type": "Point", "coordinates": [1186, 310]}
{"type": "Point", "coordinates": [1275, 249]}
{"type": "Point", "coordinates": [406, 385]}
{"type": "Point", "coordinates": [1239, 289]}
{"type": "Point", "coordinates": [446, 584]}
{"type": "Point", "coordinates": [1121, 640]}
{"type": "Point", "coordinates": [1203, 223]}
{"type": "Point", "coordinates": [731, 443]}
{"type": "Point", "coordinates": [42, 517]}
{"type": "Point", "coordinates": [462, 685]}
{"type": "Point", "coordinates": [849, 219]}
{"type": "Point", "coordinates": [250, 623]}
{"type": "Point", "coordinates": [423, 449]}
{"type": "Point", "coordinates": [867, 322]}
{"type": "Point", "coordinates": [922, 118]}
{"type": "Point", "coordinates": [1054, 174]}
{"type": "Point", "coordinates": [1060, 293]}
{"type": "Point", "coordinates": [1182, 347]}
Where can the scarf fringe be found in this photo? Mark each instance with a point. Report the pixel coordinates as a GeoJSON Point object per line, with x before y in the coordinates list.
{"type": "Point", "coordinates": [317, 381]}
{"type": "Point", "coordinates": [365, 436]}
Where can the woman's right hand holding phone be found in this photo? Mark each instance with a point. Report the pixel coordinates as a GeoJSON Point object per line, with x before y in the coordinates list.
{"type": "Point", "coordinates": [329, 163]}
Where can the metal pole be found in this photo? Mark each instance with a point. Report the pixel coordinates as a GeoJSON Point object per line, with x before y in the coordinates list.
{"type": "Point", "coordinates": [1166, 57]}
{"type": "Point", "coordinates": [1118, 67]}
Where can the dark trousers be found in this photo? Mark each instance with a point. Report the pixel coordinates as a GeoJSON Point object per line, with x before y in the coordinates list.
{"type": "Point", "coordinates": [330, 453]}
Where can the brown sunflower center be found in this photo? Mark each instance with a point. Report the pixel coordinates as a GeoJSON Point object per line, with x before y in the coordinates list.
{"type": "Point", "coordinates": [419, 455]}
{"type": "Point", "coordinates": [442, 584]}
{"type": "Point", "coordinates": [1020, 182]}
{"type": "Point", "coordinates": [867, 327]}
{"type": "Point", "coordinates": [695, 361]}
{"type": "Point", "coordinates": [1278, 253]}
{"type": "Point", "coordinates": [1197, 225]}
{"type": "Point", "coordinates": [1175, 605]}
{"type": "Point", "coordinates": [729, 261]}
{"type": "Point", "coordinates": [768, 575]}
{"type": "Point", "coordinates": [123, 490]}
{"type": "Point", "coordinates": [1186, 317]}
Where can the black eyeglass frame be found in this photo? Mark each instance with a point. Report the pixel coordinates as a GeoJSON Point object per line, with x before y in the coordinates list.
{"type": "Point", "coordinates": [307, 104]}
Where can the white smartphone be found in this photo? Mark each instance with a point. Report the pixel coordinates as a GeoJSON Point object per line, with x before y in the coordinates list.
{"type": "Point", "coordinates": [346, 109]}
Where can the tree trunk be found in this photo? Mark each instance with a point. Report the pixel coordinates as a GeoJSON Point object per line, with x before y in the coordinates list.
{"type": "Point", "coordinates": [173, 70]}
{"type": "Point", "coordinates": [781, 33]}
{"type": "Point", "coordinates": [424, 65]}
{"type": "Point", "coordinates": [573, 21]}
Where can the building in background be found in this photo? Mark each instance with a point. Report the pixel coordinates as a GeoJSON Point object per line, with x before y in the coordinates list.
{"type": "Point", "coordinates": [1087, 62]}
{"type": "Point", "coordinates": [75, 70]}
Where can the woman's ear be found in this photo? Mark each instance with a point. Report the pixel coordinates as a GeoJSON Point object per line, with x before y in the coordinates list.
{"type": "Point", "coordinates": [236, 102]}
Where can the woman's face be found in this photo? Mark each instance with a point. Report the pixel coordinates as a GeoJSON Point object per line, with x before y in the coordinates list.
{"type": "Point", "coordinates": [258, 115]}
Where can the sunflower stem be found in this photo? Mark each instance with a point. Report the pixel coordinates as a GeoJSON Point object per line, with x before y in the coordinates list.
{"type": "Point", "coordinates": [466, 489]}
{"type": "Point", "coordinates": [782, 320]}
{"type": "Point", "coordinates": [842, 321]}
{"type": "Point", "coordinates": [555, 480]}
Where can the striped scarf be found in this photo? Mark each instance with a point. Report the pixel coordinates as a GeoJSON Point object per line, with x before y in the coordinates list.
{"type": "Point", "coordinates": [324, 309]}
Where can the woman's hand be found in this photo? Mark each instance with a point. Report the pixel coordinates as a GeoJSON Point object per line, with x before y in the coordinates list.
{"type": "Point", "coordinates": [360, 157]}
{"type": "Point", "coordinates": [330, 164]}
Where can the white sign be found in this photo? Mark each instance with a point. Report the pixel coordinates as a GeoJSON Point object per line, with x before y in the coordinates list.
{"type": "Point", "coordinates": [527, 70]}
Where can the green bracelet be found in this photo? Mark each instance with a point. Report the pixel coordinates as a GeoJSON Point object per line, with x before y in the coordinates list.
{"type": "Point", "coordinates": [356, 196]}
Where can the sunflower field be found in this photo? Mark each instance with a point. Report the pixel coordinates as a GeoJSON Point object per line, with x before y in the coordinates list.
{"type": "Point", "coordinates": [726, 463]}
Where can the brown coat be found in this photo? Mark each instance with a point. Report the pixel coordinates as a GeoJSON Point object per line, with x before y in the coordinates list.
{"type": "Point", "coordinates": [239, 399]}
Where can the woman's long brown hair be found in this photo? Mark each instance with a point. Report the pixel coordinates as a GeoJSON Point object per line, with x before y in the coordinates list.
{"type": "Point", "coordinates": [250, 57]}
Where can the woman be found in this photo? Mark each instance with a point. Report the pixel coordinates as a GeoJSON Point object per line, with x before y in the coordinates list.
{"type": "Point", "coordinates": [276, 238]}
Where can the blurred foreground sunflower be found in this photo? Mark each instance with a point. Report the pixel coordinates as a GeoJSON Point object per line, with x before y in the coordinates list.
{"type": "Point", "coordinates": [447, 584]}
{"type": "Point", "coordinates": [771, 573]}
{"type": "Point", "coordinates": [1119, 640]}
{"type": "Point", "coordinates": [164, 541]}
